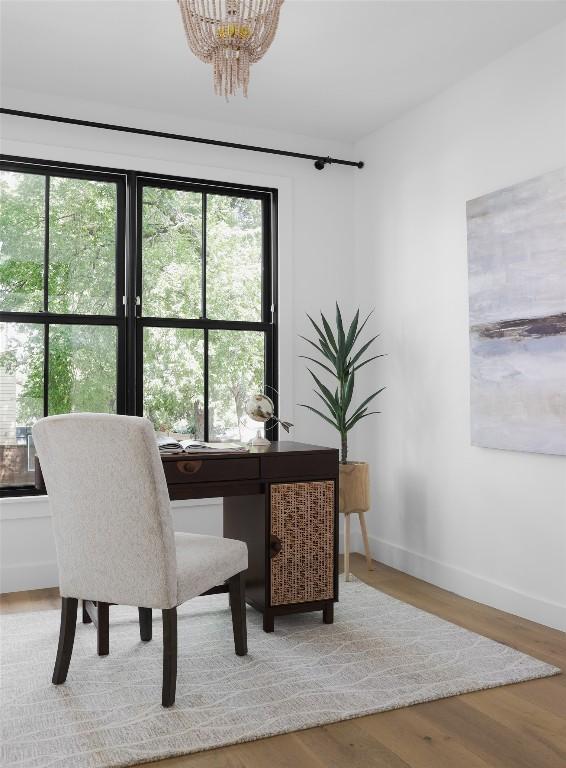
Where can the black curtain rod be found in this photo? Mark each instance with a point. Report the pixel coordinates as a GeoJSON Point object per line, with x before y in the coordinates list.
{"type": "Point", "coordinates": [319, 162]}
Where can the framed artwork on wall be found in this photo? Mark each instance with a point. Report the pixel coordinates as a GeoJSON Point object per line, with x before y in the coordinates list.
{"type": "Point", "coordinates": [517, 298]}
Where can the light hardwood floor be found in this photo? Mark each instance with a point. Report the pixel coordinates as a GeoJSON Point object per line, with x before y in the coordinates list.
{"type": "Point", "coordinates": [516, 726]}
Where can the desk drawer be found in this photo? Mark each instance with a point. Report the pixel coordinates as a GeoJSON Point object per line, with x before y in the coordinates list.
{"type": "Point", "coordinates": [199, 470]}
{"type": "Point", "coordinates": [296, 467]}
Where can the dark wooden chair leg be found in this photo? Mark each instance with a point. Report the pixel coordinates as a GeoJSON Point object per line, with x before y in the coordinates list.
{"type": "Point", "coordinates": [169, 656]}
{"type": "Point", "coordinates": [145, 623]}
{"type": "Point", "coordinates": [66, 639]}
{"type": "Point", "coordinates": [103, 629]}
{"type": "Point", "coordinates": [237, 587]}
{"type": "Point", "coordinates": [328, 613]}
{"type": "Point", "coordinates": [86, 617]}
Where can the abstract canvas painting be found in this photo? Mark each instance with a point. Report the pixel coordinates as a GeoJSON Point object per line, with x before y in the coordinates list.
{"type": "Point", "coordinates": [517, 292]}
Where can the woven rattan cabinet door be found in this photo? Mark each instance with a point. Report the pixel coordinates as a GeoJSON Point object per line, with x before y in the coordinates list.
{"type": "Point", "coordinates": [302, 518]}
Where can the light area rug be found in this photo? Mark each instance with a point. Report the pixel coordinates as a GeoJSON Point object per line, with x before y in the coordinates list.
{"type": "Point", "coordinates": [379, 654]}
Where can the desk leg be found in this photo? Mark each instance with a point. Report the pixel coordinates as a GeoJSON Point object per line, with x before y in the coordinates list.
{"type": "Point", "coordinates": [268, 621]}
{"type": "Point", "coordinates": [245, 519]}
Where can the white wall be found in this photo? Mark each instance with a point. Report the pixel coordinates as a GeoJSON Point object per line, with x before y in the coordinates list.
{"type": "Point", "coordinates": [315, 235]}
{"type": "Point", "coordinates": [487, 524]}
{"type": "Point", "coordinates": [484, 523]}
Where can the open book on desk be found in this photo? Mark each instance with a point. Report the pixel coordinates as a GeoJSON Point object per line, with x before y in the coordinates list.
{"type": "Point", "coordinates": [169, 445]}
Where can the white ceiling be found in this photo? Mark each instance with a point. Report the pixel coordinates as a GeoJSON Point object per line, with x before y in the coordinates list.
{"type": "Point", "coordinates": [337, 69]}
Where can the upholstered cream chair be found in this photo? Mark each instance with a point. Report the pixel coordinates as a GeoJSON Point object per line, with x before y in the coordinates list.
{"type": "Point", "coordinates": [114, 533]}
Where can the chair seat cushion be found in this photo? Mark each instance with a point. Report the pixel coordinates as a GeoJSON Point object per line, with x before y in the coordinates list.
{"type": "Point", "coordinates": [204, 562]}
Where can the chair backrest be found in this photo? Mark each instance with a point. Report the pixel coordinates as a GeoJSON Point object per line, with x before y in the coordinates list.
{"type": "Point", "coordinates": [110, 508]}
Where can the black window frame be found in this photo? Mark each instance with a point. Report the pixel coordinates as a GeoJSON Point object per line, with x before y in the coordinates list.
{"type": "Point", "coordinates": [128, 318]}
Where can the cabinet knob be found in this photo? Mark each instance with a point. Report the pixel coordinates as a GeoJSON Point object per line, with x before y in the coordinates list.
{"type": "Point", "coordinates": [275, 545]}
{"type": "Point", "coordinates": [189, 467]}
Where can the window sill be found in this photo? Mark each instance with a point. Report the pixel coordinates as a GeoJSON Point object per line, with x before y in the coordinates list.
{"type": "Point", "coordinates": [23, 507]}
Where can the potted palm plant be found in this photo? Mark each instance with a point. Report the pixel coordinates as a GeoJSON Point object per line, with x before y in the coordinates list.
{"type": "Point", "coordinates": [341, 356]}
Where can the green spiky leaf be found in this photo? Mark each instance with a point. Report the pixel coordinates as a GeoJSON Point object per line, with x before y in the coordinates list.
{"type": "Point", "coordinates": [361, 352]}
{"type": "Point", "coordinates": [316, 327]}
{"type": "Point", "coordinates": [362, 326]}
{"type": "Point", "coordinates": [326, 368]}
{"type": "Point", "coordinates": [332, 399]}
{"type": "Point", "coordinates": [322, 351]}
{"type": "Point", "coordinates": [327, 404]}
{"type": "Point", "coordinates": [340, 328]}
{"type": "Point", "coordinates": [322, 416]}
{"type": "Point", "coordinates": [348, 392]}
{"type": "Point", "coordinates": [365, 362]}
{"type": "Point", "coordinates": [366, 401]}
{"type": "Point", "coordinates": [350, 338]}
{"type": "Point", "coordinates": [359, 417]}
{"type": "Point", "coordinates": [329, 334]}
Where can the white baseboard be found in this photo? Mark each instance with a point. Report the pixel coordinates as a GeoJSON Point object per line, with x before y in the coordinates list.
{"type": "Point", "coordinates": [23, 576]}
{"type": "Point", "coordinates": [465, 583]}
{"type": "Point", "coordinates": [356, 543]}
{"type": "Point", "coordinates": [36, 575]}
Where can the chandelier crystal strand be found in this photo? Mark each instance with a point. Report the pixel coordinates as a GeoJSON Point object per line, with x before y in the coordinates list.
{"type": "Point", "coordinates": [231, 35]}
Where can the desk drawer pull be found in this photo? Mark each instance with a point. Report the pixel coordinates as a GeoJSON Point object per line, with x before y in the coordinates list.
{"type": "Point", "coordinates": [189, 467]}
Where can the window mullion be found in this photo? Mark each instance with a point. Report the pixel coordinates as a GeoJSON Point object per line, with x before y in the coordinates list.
{"type": "Point", "coordinates": [46, 246]}
{"type": "Point", "coordinates": [132, 289]}
{"type": "Point", "coordinates": [46, 369]}
{"type": "Point", "coordinates": [46, 299]}
{"type": "Point", "coordinates": [203, 313]}
{"type": "Point", "coordinates": [203, 256]}
{"type": "Point", "coordinates": [206, 387]}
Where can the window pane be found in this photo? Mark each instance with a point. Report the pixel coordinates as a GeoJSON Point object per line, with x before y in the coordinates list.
{"type": "Point", "coordinates": [171, 253]}
{"type": "Point", "coordinates": [22, 228]}
{"type": "Point", "coordinates": [82, 246]}
{"type": "Point", "coordinates": [173, 380]}
{"type": "Point", "coordinates": [233, 260]}
{"type": "Point", "coordinates": [21, 399]}
{"type": "Point", "coordinates": [82, 368]}
{"type": "Point", "coordinates": [236, 371]}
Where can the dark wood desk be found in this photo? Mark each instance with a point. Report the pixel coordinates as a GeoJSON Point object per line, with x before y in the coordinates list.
{"type": "Point", "coordinates": [283, 502]}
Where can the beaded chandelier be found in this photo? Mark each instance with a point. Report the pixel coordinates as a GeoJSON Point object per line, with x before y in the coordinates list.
{"type": "Point", "coordinates": [230, 35]}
